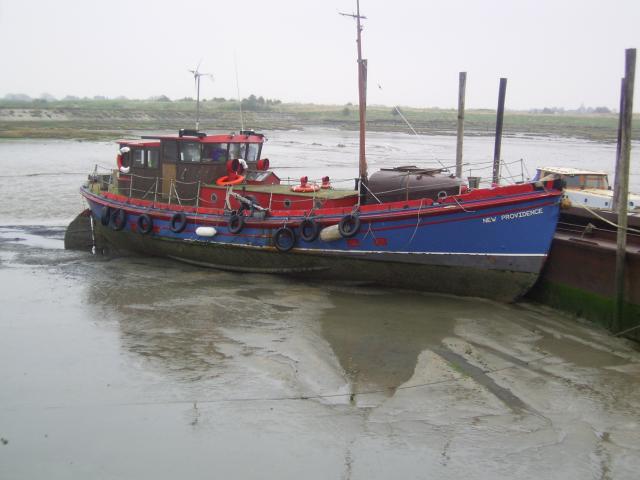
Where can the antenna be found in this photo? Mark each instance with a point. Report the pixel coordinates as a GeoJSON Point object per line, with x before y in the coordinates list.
{"type": "Point", "coordinates": [235, 63]}
{"type": "Point", "coordinates": [196, 77]}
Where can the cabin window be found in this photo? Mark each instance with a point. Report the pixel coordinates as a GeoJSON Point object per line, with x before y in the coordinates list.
{"type": "Point", "coordinates": [189, 152]}
{"type": "Point", "coordinates": [214, 152]}
{"type": "Point", "coordinates": [237, 150]}
{"type": "Point", "coordinates": [138, 157]}
{"type": "Point", "coordinates": [572, 180]}
{"type": "Point", "coordinates": [595, 181]}
{"type": "Point", "coordinates": [253, 152]}
{"type": "Point", "coordinates": [169, 151]}
{"type": "Point", "coordinates": [234, 151]}
{"type": "Point", "coordinates": [153, 158]}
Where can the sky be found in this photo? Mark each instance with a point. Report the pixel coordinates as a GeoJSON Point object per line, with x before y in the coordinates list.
{"type": "Point", "coordinates": [554, 53]}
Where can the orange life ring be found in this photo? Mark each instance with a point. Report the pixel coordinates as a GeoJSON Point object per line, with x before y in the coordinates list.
{"type": "Point", "coordinates": [119, 161]}
{"type": "Point", "coordinates": [309, 187]}
{"type": "Point", "coordinates": [224, 181]}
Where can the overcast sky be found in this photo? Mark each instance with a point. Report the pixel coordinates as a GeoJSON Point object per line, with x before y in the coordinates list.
{"type": "Point", "coordinates": [553, 52]}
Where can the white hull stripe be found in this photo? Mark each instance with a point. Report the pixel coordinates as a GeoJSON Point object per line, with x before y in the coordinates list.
{"type": "Point", "coordinates": [364, 252]}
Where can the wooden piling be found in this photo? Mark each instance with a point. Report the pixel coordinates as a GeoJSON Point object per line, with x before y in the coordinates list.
{"type": "Point", "coordinates": [623, 185]}
{"type": "Point", "coordinates": [462, 85]}
{"type": "Point", "coordinates": [499, 121]}
{"type": "Point", "coordinates": [616, 180]}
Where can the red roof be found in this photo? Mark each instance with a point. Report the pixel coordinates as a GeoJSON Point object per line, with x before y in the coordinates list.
{"type": "Point", "coordinates": [139, 143]}
{"type": "Point", "coordinates": [225, 138]}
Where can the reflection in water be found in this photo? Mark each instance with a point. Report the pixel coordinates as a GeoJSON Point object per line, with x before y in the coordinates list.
{"type": "Point", "coordinates": [209, 328]}
{"type": "Point", "coordinates": [195, 325]}
{"type": "Point", "coordinates": [191, 323]}
{"type": "Point", "coordinates": [176, 316]}
{"type": "Point", "coordinates": [377, 335]}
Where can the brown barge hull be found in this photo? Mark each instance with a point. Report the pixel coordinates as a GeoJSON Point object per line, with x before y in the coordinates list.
{"type": "Point", "coordinates": [578, 278]}
{"type": "Point", "coordinates": [445, 276]}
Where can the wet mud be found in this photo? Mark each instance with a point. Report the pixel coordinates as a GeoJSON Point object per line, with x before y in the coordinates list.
{"type": "Point", "coordinates": [133, 367]}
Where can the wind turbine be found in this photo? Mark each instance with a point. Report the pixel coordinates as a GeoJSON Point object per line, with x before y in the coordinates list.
{"type": "Point", "coordinates": [196, 77]}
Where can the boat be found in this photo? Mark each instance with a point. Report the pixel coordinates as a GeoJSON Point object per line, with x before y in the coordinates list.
{"type": "Point", "coordinates": [579, 276]}
{"type": "Point", "coordinates": [589, 198]}
{"type": "Point", "coordinates": [215, 201]}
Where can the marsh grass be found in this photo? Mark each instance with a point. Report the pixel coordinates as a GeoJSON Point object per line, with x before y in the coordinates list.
{"type": "Point", "coordinates": [109, 119]}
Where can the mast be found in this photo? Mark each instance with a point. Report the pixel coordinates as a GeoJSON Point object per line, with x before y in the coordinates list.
{"type": "Point", "coordinates": [362, 93]}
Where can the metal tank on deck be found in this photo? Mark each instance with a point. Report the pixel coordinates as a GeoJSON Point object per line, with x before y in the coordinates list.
{"type": "Point", "coordinates": [410, 182]}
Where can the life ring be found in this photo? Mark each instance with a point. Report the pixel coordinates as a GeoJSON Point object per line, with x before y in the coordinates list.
{"type": "Point", "coordinates": [284, 239]}
{"type": "Point", "coordinates": [309, 229]}
{"type": "Point", "coordinates": [236, 222]}
{"type": "Point", "coordinates": [349, 225]}
{"type": "Point", "coordinates": [309, 187]}
{"type": "Point", "coordinates": [225, 181]}
{"type": "Point", "coordinates": [119, 160]}
{"type": "Point", "coordinates": [145, 224]}
{"type": "Point", "coordinates": [105, 215]}
{"type": "Point", "coordinates": [118, 219]}
{"type": "Point", "coordinates": [178, 222]}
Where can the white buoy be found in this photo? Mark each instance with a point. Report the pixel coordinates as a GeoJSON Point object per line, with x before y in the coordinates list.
{"type": "Point", "coordinates": [206, 231]}
{"type": "Point", "coordinates": [330, 234]}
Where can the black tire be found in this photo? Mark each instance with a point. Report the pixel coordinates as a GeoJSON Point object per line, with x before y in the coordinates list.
{"type": "Point", "coordinates": [118, 219]}
{"type": "Point", "coordinates": [105, 215]}
{"type": "Point", "coordinates": [349, 225]}
{"type": "Point", "coordinates": [145, 224]}
{"type": "Point", "coordinates": [284, 239]}
{"type": "Point", "coordinates": [236, 222]}
{"type": "Point", "coordinates": [178, 222]}
{"type": "Point", "coordinates": [309, 229]}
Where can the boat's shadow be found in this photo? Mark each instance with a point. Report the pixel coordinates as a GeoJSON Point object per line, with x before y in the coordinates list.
{"type": "Point", "coordinates": [195, 325]}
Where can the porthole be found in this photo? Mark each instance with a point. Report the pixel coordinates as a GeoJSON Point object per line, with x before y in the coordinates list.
{"type": "Point", "coordinates": [214, 197]}
{"type": "Point", "coordinates": [287, 203]}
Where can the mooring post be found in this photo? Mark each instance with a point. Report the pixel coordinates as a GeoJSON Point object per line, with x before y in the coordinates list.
{"type": "Point", "coordinates": [623, 174]}
{"type": "Point", "coordinates": [616, 180]}
{"type": "Point", "coordinates": [462, 85]}
{"type": "Point", "coordinates": [499, 119]}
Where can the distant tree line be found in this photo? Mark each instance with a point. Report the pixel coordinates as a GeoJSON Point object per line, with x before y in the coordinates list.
{"type": "Point", "coordinates": [258, 103]}
{"type": "Point", "coordinates": [250, 103]}
{"type": "Point", "coordinates": [255, 103]}
{"type": "Point", "coordinates": [561, 110]}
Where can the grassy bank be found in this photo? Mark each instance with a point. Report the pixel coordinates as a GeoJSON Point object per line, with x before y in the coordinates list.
{"type": "Point", "coordinates": [109, 119]}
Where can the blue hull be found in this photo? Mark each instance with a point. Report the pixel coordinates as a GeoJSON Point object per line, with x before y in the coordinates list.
{"type": "Point", "coordinates": [427, 248]}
